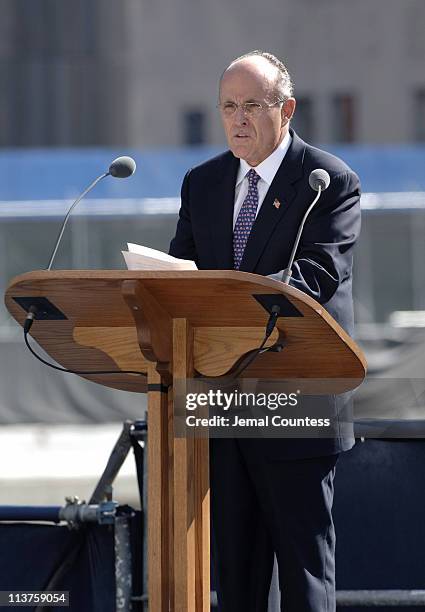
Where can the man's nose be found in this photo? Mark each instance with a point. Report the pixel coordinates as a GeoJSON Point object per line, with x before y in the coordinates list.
{"type": "Point", "coordinates": [240, 116]}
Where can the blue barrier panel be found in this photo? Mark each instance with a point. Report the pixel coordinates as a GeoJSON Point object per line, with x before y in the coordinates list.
{"type": "Point", "coordinates": [27, 174]}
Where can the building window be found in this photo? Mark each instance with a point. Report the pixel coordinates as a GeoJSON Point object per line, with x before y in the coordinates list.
{"type": "Point", "coordinates": [194, 127]}
{"type": "Point", "coordinates": [303, 122]}
{"type": "Point", "coordinates": [343, 118]}
{"type": "Point", "coordinates": [419, 115]}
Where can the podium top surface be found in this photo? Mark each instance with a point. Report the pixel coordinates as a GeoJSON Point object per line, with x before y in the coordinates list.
{"type": "Point", "coordinates": [99, 331]}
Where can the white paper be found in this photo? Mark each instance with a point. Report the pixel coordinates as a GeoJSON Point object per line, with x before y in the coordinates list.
{"type": "Point", "coordinates": [144, 258]}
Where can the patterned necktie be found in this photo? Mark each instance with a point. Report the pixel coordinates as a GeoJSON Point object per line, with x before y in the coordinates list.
{"type": "Point", "coordinates": [246, 218]}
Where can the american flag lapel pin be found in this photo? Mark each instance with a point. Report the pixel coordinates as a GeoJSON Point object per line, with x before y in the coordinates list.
{"type": "Point", "coordinates": [276, 204]}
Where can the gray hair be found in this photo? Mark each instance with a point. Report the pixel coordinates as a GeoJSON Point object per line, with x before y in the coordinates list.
{"type": "Point", "coordinates": [283, 85]}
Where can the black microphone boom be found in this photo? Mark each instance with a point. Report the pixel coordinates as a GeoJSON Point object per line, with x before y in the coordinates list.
{"type": "Point", "coordinates": [318, 180]}
{"type": "Point", "coordinates": [122, 167]}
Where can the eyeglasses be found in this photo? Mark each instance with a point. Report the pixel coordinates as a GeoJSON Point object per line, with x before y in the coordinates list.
{"type": "Point", "coordinates": [250, 109]}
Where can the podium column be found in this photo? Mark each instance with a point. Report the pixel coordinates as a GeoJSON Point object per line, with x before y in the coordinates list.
{"type": "Point", "coordinates": [159, 482]}
{"type": "Point", "coordinates": [191, 497]}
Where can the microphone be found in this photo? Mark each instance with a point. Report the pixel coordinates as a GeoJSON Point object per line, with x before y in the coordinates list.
{"type": "Point", "coordinates": [122, 167]}
{"type": "Point", "coordinates": [319, 180]}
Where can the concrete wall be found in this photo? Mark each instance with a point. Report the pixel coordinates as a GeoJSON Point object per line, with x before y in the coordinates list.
{"type": "Point", "coordinates": [101, 72]}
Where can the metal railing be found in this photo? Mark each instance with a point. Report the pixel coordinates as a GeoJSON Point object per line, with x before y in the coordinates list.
{"type": "Point", "coordinates": [370, 598]}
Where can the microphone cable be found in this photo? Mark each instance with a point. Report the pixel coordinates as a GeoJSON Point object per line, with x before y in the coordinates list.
{"type": "Point", "coordinates": [32, 314]}
{"type": "Point", "coordinates": [274, 348]}
{"type": "Point", "coordinates": [250, 357]}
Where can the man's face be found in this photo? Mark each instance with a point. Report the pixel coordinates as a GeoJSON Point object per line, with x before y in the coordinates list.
{"type": "Point", "coordinates": [253, 138]}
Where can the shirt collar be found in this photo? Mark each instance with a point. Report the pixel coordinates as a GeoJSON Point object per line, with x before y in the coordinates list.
{"type": "Point", "coordinates": [268, 168]}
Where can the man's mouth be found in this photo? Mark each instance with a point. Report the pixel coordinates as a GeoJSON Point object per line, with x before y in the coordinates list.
{"type": "Point", "coordinates": [241, 136]}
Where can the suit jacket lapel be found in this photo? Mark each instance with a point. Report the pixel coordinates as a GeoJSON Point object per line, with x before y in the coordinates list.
{"type": "Point", "coordinates": [283, 189]}
{"type": "Point", "coordinates": [221, 201]}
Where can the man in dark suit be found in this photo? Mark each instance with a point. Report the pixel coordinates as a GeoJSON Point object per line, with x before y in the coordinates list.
{"type": "Point", "coordinates": [272, 496]}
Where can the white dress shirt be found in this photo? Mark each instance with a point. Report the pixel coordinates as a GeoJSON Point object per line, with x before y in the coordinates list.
{"type": "Point", "coordinates": [267, 170]}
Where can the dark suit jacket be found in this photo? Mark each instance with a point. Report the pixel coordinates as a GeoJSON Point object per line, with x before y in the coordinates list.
{"type": "Point", "coordinates": [323, 263]}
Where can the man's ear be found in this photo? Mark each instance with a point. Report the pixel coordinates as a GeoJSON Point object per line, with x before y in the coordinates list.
{"type": "Point", "coordinates": [288, 109]}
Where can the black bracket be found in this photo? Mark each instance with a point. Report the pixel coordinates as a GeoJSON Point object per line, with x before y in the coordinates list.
{"type": "Point", "coordinates": [287, 309]}
{"type": "Point", "coordinates": [45, 309]}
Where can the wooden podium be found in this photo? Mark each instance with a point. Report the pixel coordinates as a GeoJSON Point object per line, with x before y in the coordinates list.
{"type": "Point", "coordinates": [173, 326]}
